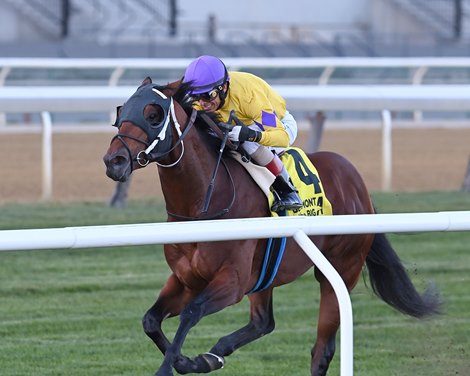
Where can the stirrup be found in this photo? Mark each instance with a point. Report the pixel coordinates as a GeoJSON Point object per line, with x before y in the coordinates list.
{"type": "Point", "coordinates": [290, 201]}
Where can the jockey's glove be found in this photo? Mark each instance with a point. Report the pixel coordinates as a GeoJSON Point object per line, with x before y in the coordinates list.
{"type": "Point", "coordinates": [242, 133]}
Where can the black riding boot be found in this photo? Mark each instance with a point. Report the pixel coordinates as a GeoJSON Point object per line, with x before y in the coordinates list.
{"type": "Point", "coordinates": [285, 195]}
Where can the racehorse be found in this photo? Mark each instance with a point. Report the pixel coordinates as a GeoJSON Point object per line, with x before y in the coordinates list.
{"type": "Point", "coordinates": [157, 124]}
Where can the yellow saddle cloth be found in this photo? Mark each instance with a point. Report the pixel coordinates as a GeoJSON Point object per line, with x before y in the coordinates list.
{"type": "Point", "coordinates": [305, 178]}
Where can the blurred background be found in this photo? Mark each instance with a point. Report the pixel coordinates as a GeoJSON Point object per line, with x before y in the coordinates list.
{"type": "Point", "coordinates": [185, 28]}
{"type": "Point", "coordinates": [116, 43]}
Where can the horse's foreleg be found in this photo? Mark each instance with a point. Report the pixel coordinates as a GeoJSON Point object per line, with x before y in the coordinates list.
{"type": "Point", "coordinates": [219, 293]}
{"type": "Point", "coordinates": [171, 301]}
{"type": "Point", "coordinates": [261, 323]}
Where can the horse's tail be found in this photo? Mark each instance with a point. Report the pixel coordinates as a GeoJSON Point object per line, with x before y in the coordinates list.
{"type": "Point", "coordinates": [391, 283]}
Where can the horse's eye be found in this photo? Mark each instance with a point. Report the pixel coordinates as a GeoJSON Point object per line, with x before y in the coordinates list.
{"type": "Point", "coordinates": [155, 119]}
{"type": "Point", "coordinates": [155, 115]}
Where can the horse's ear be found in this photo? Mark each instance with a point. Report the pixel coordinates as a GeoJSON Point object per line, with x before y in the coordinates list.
{"type": "Point", "coordinates": [146, 81]}
{"type": "Point", "coordinates": [173, 87]}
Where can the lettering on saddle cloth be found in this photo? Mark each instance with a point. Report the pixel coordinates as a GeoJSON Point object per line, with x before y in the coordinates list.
{"type": "Point", "coordinates": [305, 178]}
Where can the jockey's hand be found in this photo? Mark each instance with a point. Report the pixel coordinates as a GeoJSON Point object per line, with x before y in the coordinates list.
{"type": "Point", "coordinates": [242, 133]}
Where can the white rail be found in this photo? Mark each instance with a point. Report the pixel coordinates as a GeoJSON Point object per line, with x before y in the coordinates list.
{"type": "Point", "coordinates": [252, 228]}
{"type": "Point", "coordinates": [298, 97]}
{"type": "Point", "coordinates": [419, 66]}
{"type": "Point", "coordinates": [309, 98]}
{"type": "Point", "coordinates": [381, 98]}
{"type": "Point", "coordinates": [234, 229]}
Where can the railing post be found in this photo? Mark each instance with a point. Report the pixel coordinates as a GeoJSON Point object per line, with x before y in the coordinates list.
{"type": "Point", "coordinates": [46, 155]}
{"type": "Point", "coordinates": [342, 295]}
{"type": "Point", "coordinates": [417, 80]}
{"type": "Point", "coordinates": [3, 76]}
{"type": "Point", "coordinates": [386, 151]}
{"type": "Point", "coordinates": [326, 75]}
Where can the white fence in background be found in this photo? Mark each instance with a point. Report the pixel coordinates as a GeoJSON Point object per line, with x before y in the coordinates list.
{"type": "Point", "coordinates": [381, 98]}
{"type": "Point", "coordinates": [320, 97]}
{"type": "Point", "coordinates": [419, 67]}
{"type": "Point", "coordinates": [252, 228]}
{"type": "Point", "coordinates": [298, 97]}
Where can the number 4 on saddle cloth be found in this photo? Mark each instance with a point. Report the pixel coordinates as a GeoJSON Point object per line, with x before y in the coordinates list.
{"type": "Point", "coordinates": [305, 178]}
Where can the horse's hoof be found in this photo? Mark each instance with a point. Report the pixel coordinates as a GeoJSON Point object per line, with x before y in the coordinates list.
{"type": "Point", "coordinates": [213, 361]}
{"type": "Point", "coordinates": [203, 363]}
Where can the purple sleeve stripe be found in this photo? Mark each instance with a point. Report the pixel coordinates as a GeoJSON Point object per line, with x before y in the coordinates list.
{"type": "Point", "coordinates": [268, 119]}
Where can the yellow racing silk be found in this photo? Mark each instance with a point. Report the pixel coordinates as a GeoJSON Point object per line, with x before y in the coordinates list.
{"type": "Point", "coordinates": [307, 181]}
{"type": "Point", "coordinates": [255, 102]}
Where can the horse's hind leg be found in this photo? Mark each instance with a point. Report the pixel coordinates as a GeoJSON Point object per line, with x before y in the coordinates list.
{"type": "Point", "coordinates": [328, 323]}
{"type": "Point", "coordinates": [261, 323]}
{"type": "Point", "coordinates": [329, 319]}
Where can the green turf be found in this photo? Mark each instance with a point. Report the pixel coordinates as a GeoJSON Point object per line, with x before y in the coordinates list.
{"type": "Point", "coordinates": [78, 312]}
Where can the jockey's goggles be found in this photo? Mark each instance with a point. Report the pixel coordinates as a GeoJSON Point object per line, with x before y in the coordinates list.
{"type": "Point", "coordinates": [209, 96]}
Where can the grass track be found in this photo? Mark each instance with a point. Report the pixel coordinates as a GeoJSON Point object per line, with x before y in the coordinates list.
{"type": "Point", "coordinates": [78, 312]}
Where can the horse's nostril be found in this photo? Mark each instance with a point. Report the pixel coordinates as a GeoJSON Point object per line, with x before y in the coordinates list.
{"type": "Point", "coordinates": [119, 160]}
{"type": "Point", "coordinates": [114, 160]}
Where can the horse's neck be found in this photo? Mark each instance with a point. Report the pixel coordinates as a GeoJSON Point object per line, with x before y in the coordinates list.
{"type": "Point", "coordinates": [185, 184]}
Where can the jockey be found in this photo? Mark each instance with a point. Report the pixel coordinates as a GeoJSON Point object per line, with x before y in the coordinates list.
{"type": "Point", "coordinates": [268, 124]}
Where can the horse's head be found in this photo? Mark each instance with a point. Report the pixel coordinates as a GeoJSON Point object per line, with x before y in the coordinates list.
{"type": "Point", "coordinates": [144, 134]}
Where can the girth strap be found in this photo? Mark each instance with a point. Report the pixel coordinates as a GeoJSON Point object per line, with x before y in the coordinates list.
{"type": "Point", "coordinates": [272, 260]}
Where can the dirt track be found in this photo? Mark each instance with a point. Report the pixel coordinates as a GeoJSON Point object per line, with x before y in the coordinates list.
{"type": "Point", "coordinates": [423, 160]}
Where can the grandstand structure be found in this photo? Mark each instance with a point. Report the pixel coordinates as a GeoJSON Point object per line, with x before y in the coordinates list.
{"type": "Point", "coordinates": [180, 28]}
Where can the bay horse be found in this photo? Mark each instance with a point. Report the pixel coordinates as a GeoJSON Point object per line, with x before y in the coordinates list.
{"type": "Point", "coordinates": [157, 125]}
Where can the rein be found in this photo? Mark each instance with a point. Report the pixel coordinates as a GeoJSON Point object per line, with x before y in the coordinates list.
{"type": "Point", "coordinates": [212, 216]}
{"type": "Point", "coordinates": [224, 137]}
{"type": "Point", "coordinates": [121, 138]}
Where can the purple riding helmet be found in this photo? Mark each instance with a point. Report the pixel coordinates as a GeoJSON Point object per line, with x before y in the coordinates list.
{"type": "Point", "coordinates": [205, 74]}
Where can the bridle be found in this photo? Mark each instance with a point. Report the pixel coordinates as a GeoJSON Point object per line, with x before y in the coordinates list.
{"type": "Point", "coordinates": [144, 157]}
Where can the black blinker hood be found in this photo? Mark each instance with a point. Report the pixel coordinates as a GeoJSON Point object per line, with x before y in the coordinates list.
{"type": "Point", "coordinates": [133, 110]}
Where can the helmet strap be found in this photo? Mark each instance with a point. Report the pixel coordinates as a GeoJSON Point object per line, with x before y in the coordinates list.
{"type": "Point", "coordinates": [222, 94]}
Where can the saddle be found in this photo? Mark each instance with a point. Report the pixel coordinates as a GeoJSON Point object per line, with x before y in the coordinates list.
{"type": "Point", "coordinates": [303, 174]}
